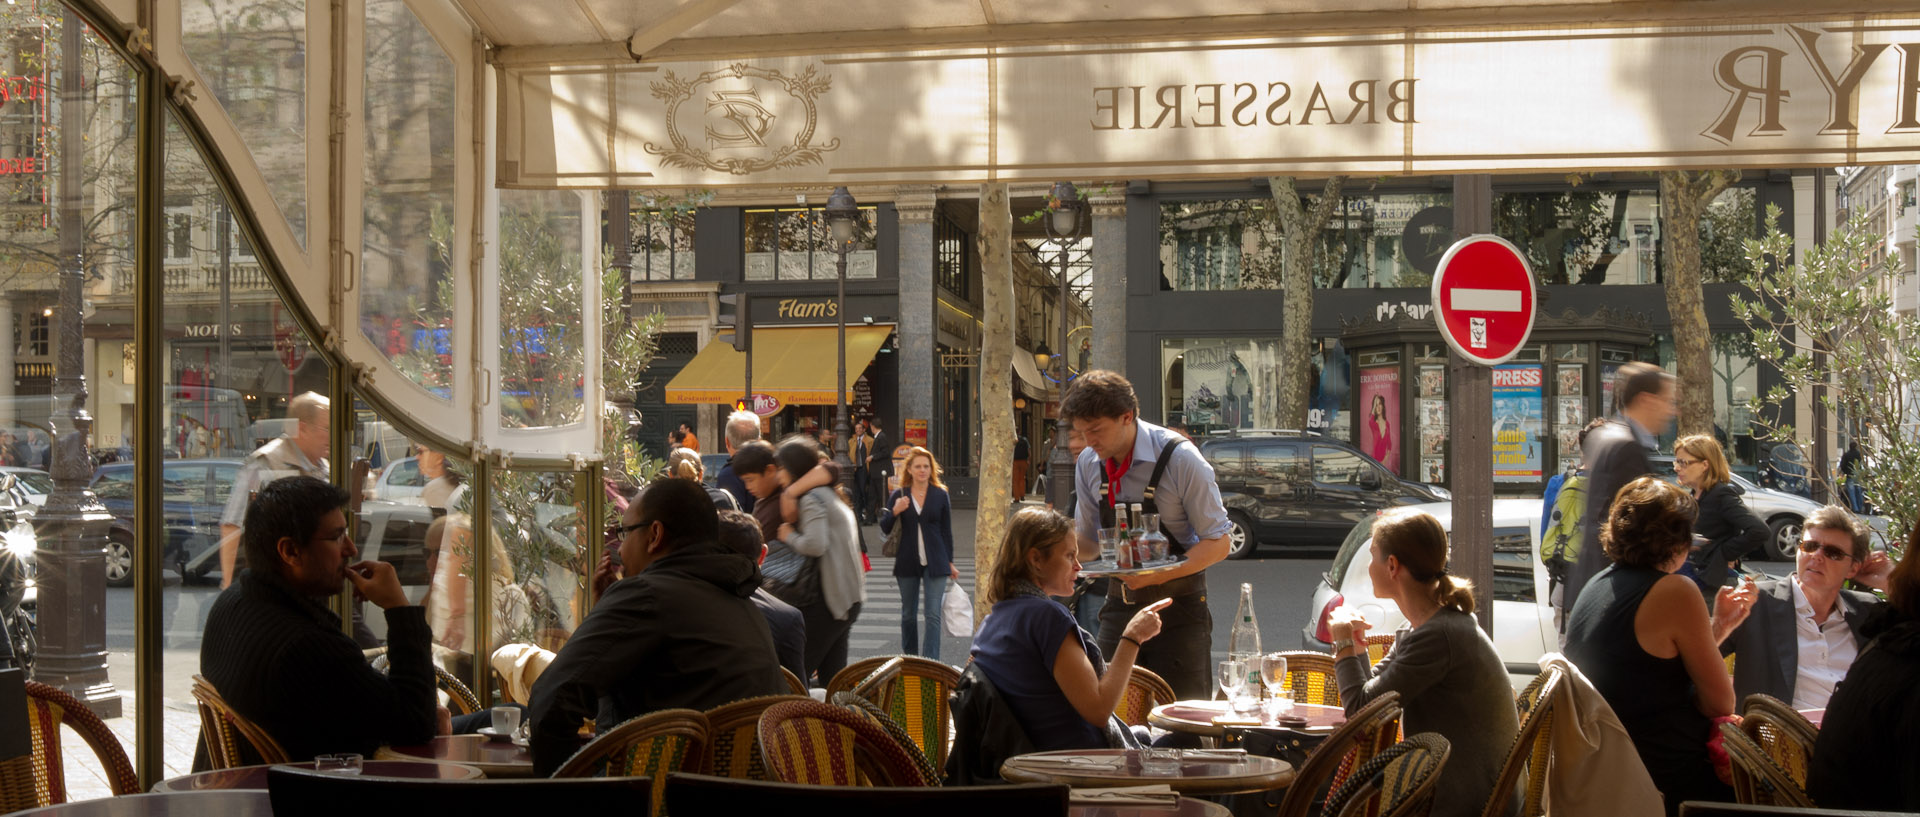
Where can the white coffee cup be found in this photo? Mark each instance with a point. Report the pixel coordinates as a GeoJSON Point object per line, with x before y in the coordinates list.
{"type": "Point", "coordinates": [506, 719]}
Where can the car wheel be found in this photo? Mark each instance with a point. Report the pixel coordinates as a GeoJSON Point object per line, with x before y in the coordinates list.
{"type": "Point", "coordinates": [1785, 539]}
{"type": "Point", "coordinates": [119, 561]}
{"type": "Point", "coordinates": [1240, 541]}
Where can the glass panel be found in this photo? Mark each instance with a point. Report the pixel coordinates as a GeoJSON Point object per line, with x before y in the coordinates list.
{"type": "Point", "coordinates": [1276, 463]}
{"type": "Point", "coordinates": [242, 405]}
{"type": "Point", "coordinates": [253, 54]}
{"type": "Point", "coordinates": [1512, 565]}
{"type": "Point", "coordinates": [1583, 236]}
{"type": "Point", "coordinates": [663, 245]}
{"type": "Point", "coordinates": [539, 557]}
{"type": "Point", "coordinates": [1371, 240]}
{"type": "Point", "coordinates": [795, 244]}
{"type": "Point", "coordinates": [406, 281]}
{"type": "Point", "coordinates": [1336, 466]}
{"type": "Point", "coordinates": [542, 353]}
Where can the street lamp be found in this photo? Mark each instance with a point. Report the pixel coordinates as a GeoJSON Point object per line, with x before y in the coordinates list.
{"type": "Point", "coordinates": [841, 214]}
{"type": "Point", "coordinates": [1063, 226]}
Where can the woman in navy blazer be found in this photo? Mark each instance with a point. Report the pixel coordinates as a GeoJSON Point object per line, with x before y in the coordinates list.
{"type": "Point", "coordinates": [925, 559]}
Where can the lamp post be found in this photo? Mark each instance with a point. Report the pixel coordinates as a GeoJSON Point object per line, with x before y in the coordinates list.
{"type": "Point", "coordinates": [841, 213]}
{"type": "Point", "coordinates": [1063, 226]}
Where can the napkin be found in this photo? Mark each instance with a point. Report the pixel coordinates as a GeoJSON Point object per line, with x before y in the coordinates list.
{"type": "Point", "coordinates": [1236, 720]}
{"type": "Point", "coordinates": [1214, 754]}
{"type": "Point", "coordinates": [1127, 795]}
{"type": "Point", "coordinates": [1089, 762]}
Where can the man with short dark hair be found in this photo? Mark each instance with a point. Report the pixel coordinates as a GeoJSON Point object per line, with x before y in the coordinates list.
{"type": "Point", "coordinates": [1803, 632]}
{"type": "Point", "coordinates": [275, 652]}
{"type": "Point", "coordinates": [742, 427]}
{"type": "Point", "coordinates": [1618, 453]}
{"type": "Point", "coordinates": [677, 631]}
{"type": "Point", "coordinates": [1129, 460]}
{"type": "Point", "coordinates": [763, 479]}
{"type": "Point", "coordinates": [740, 532]}
{"type": "Point", "coordinates": [879, 467]}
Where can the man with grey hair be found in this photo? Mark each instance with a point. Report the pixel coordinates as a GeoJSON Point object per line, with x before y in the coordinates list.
{"type": "Point", "coordinates": [742, 427]}
{"type": "Point", "coordinates": [1803, 632]}
{"type": "Point", "coordinates": [302, 451]}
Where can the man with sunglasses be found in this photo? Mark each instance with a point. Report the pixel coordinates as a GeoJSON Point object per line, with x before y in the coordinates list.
{"type": "Point", "coordinates": [1803, 632]}
{"type": "Point", "coordinates": [677, 629]}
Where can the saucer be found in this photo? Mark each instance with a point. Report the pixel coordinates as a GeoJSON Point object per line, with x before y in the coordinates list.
{"type": "Point", "coordinates": [493, 734]}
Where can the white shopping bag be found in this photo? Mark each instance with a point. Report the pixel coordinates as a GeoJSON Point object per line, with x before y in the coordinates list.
{"type": "Point", "coordinates": [957, 611]}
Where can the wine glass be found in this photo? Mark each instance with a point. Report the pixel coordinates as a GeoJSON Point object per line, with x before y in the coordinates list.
{"type": "Point", "coordinates": [1233, 676]}
{"type": "Point", "coordinates": [1273, 673]}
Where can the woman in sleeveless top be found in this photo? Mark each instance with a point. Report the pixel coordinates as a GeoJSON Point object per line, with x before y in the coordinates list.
{"type": "Point", "coordinates": [1643, 637]}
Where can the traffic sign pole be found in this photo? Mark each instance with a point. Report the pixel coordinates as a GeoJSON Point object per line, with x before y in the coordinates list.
{"type": "Point", "coordinates": [1470, 412]}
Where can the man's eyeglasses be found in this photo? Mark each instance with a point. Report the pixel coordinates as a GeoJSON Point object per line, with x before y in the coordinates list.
{"type": "Point", "coordinates": [621, 531]}
{"type": "Point", "coordinates": [1832, 554]}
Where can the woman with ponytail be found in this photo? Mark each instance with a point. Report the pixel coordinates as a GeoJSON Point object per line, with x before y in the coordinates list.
{"type": "Point", "coordinates": [684, 463]}
{"type": "Point", "coordinates": [1449, 677]}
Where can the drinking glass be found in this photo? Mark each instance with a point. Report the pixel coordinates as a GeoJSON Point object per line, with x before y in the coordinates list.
{"type": "Point", "coordinates": [1159, 761]}
{"type": "Point", "coordinates": [348, 763]}
{"type": "Point", "coordinates": [1109, 544]}
{"type": "Point", "coordinates": [1233, 677]}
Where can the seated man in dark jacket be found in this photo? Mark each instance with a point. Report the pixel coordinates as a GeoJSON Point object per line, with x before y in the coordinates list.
{"type": "Point", "coordinates": [277, 654]}
{"type": "Point", "coordinates": [740, 532]}
{"type": "Point", "coordinates": [678, 630]}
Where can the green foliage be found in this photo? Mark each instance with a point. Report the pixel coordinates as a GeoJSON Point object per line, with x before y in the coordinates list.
{"type": "Point", "coordinates": [1828, 321]}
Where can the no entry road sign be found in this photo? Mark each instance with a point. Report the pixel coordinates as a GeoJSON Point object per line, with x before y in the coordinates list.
{"type": "Point", "coordinates": [1483, 299]}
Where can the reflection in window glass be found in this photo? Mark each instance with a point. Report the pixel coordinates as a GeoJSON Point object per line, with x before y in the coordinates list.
{"type": "Point", "coordinates": [540, 559]}
{"type": "Point", "coordinates": [254, 58]}
{"type": "Point", "coordinates": [1583, 236]}
{"type": "Point", "coordinates": [1736, 380]}
{"type": "Point", "coordinates": [663, 245]}
{"type": "Point", "coordinates": [1336, 466]}
{"type": "Point", "coordinates": [1512, 565]}
{"type": "Point", "coordinates": [406, 284]}
{"type": "Point", "coordinates": [796, 244]}
{"type": "Point", "coordinates": [542, 355]}
{"type": "Point", "coordinates": [1212, 384]}
{"type": "Point", "coordinates": [1370, 240]}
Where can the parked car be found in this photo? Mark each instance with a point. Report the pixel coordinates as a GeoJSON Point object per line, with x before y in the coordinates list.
{"type": "Point", "coordinates": [1785, 513]}
{"type": "Point", "coordinates": [1301, 491]}
{"type": "Point", "coordinates": [1522, 620]}
{"type": "Point", "coordinates": [35, 483]}
{"type": "Point", "coordinates": [19, 552]}
{"type": "Point", "coordinates": [195, 495]}
{"type": "Point", "coordinates": [400, 481]}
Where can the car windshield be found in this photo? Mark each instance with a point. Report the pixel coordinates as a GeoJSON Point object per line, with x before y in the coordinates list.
{"type": "Point", "coordinates": [35, 481]}
{"type": "Point", "coordinates": [1355, 538]}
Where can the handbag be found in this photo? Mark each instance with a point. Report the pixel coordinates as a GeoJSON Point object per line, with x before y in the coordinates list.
{"type": "Point", "coordinates": [891, 547]}
{"type": "Point", "coordinates": [791, 576]}
{"type": "Point", "coordinates": [956, 611]}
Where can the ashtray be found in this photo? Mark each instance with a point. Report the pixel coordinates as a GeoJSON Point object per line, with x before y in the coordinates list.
{"type": "Point", "coordinates": [1291, 722]}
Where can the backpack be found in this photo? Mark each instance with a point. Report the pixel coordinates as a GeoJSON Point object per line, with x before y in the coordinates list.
{"type": "Point", "coordinates": [1560, 542]}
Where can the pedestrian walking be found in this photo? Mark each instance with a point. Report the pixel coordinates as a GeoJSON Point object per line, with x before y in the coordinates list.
{"type": "Point", "coordinates": [879, 467]}
{"type": "Point", "coordinates": [1647, 399]}
{"type": "Point", "coordinates": [858, 451]}
{"type": "Point", "coordinates": [923, 511]}
{"type": "Point", "coordinates": [1728, 527]}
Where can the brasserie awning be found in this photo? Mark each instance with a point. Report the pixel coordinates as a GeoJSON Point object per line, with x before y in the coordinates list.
{"type": "Point", "coordinates": [1029, 372]}
{"type": "Point", "coordinates": [792, 364]}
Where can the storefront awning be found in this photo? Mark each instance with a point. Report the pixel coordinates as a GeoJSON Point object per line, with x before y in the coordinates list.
{"type": "Point", "coordinates": [1029, 372]}
{"type": "Point", "coordinates": [792, 364]}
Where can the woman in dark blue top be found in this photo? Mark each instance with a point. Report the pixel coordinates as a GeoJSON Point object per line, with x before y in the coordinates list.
{"type": "Point", "coordinates": [1643, 638]}
{"type": "Point", "coordinates": [925, 560]}
{"type": "Point", "coordinates": [1044, 666]}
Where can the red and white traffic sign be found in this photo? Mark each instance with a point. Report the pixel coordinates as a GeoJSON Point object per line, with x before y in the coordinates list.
{"type": "Point", "coordinates": [1483, 299]}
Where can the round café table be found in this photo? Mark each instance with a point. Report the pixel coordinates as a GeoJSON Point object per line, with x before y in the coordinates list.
{"type": "Point", "coordinates": [255, 777]}
{"type": "Point", "coordinates": [1185, 807]}
{"type": "Point", "coordinates": [1197, 717]}
{"type": "Point", "coordinates": [1107, 768]}
{"type": "Point", "coordinates": [496, 758]}
{"type": "Point", "coordinates": [242, 803]}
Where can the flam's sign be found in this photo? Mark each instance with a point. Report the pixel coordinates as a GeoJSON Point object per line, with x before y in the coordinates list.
{"type": "Point", "coordinates": [1755, 75]}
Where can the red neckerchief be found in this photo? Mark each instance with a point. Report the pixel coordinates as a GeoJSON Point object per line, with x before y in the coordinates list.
{"type": "Point", "coordinates": [1114, 474]}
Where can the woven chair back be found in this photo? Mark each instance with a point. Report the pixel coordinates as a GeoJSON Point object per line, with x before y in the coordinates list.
{"type": "Point", "coordinates": [1310, 678]}
{"type": "Point", "coordinates": [1377, 646]}
{"type": "Point", "coordinates": [1782, 732]}
{"type": "Point", "coordinates": [652, 745]}
{"type": "Point", "coordinates": [1531, 754]}
{"type": "Point", "coordinates": [916, 697]}
{"type": "Point", "coordinates": [47, 709]}
{"type": "Point", "coordinates": [1757, 780]}
{"type": "Point", "coordinates": [821, 744]}
{"type": "Point", "coordinates": [794, 683]}
{"type": "Point", "coordinates": [1370, 731]}
{"type": "Point", "coordinates": [1145, 690]}
{"type": "Point", "coordinates": [879, 717]}
{"type": "Point", "coordinates": [733, 738]}
{"type": "Point", "coordinates": [460, 699]}
{"type": "Point", "coordinates": [224, 729]}
{"type": "Point", "coordinates": [1397, 782]}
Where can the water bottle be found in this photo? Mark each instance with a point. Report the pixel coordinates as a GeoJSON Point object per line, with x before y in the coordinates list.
{"type": "Point", "coordinates": [1139, 532]}
{"type": "Point", "coordinates": [1152, 542]}
{"type": "Point", "coordinates": [1243, 642]}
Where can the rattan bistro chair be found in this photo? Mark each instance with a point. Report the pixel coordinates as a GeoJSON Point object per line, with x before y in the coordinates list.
{"type": "Point", "coordinates": [39, 779]}
{"type": "Point", "coordinates": [1782, 732]}
{"type": "Point", "coordinates": [821, 744]}
{"type": "Point", "coordinates": [733, 738]}
{"type": "Point", "coordinates": [223, 729]}
{"type": "Point", "coordinates": [1757, 780]}
{"type": "Point", "coordinates": [1398, 782]}
{"type": "Point", "coordinates": [917, 697]}
{"type": "Point", "coordinates": [1370, 731]}
{"type": "Point", "coordinates": [652, 745]}
{"type": "Point", "coordinates": [1532, 751]}
{"type": "Point", "coordinates": [460, 698]}
{"type": "Point", "coordinates": [1145, 690]}
{"type": "Point", "coordinates": [1377, 646]}
{"type": "Point", "coordinates": [1310, 677]}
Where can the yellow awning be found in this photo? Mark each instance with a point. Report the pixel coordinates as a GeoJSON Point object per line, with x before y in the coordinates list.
{"type": "Point", "coordinates": [792, 364]}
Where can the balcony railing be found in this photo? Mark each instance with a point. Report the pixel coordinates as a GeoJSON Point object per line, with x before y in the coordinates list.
{"type": "Point", "coordinates": [192, 278]}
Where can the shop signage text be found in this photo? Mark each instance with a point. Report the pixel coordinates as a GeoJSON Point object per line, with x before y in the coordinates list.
{"type": "Point", "coordinates": [209, 330]}
{"type": "Point", "coordinates": [801, 308]}
{"type": "Point", "coordinates": [1765, 84]}
{"type": "Point", "coordinates": [1205, 105]}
